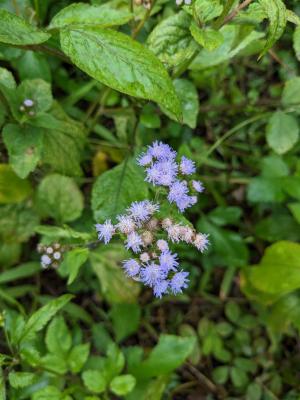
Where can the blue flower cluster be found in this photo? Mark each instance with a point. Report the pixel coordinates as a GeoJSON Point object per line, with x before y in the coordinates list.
{"type": "Point", "coordinates": [147, 235]}
{"type": "Point", "coordinates": [162, 169]}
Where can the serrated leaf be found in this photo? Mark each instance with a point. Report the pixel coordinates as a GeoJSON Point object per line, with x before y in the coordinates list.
{"type": "Point", "coordinates": [41, 317]}
{"type": "Point", "coordinates": [171, 40]}
{"type": "Point", "coordinates": [116, 189]}
{"type": "Point", "coordinates": [22, 271]}
{"type": "Point", "coordinates": [291, 93]}
{"type": "Point", "coordinates": [121, 63]}
{"type": "Point", "coordinates": [94, 380]}
{"type": "Point", "coordinates": [15, 30]}
{"type": "Point", "coordinates": [21, 379]}
{"type": "Point", "coordinates": [24, 145]}
{"type": "Point", "coordinates": [72, 262]}
{"type": "Point", "coordinates": [188, 96]}
{"type": "Point", "coordinates": [276, 14]}
{"type": "Point", "coordinates": [122, 384]}
{"type": "Point", "coordinates": [59, 197]}
{"type": "Point", "coordinates": [7, 79]}
{"type": "Point", "coordinates": [58, 338]}
{"type": "Point", "coordinates": [12, 188]}
{"type": "Point", "coordinates": [208, 38]}
{"type": "Point", "coordinates": [78, 357]}
{"type": "Point", "coordinates": [84, 14]}
{"type": "Point", "coordinates": [116, 287]}
{"type": "Point", "coordinates": [282, 132]}
{"type": "Point", "coordinates": [206, 10]}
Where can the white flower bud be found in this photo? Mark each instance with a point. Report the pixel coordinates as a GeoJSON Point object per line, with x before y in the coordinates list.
{"type": "Point", "coordinates": [144, 257]}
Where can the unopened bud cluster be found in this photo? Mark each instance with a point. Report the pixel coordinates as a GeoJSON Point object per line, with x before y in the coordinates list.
{"type": "Point", "coordinates": [148, 234]}
{"type": "Point", "coordinates": [51, 255]}
{"type": "Point", "coordinates": [145, 3]}
{"type": "Point", "coordinates": [27, 107]}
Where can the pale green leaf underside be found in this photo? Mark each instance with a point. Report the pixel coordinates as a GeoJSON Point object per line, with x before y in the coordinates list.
{"type": "Point", "coordinates": [120, 63]}
{"type": "Point", "coordinates": [17, 31]}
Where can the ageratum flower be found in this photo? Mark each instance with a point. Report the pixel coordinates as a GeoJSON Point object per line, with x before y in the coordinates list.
{"type": "Point", "coordinates": [160, 288]}
{"type": "Point", "coordinates": [179, 282]}
{"type": "Point", "coordinates": [134, 242]}
{"type": "Point", "coordinates": [151, 274]}
{"type": "Point", "coordinates": [131, 267]}
{"type": "Point", "coordinates": [168, 261]}
{"type": "Point", "coordinates": [187, 166]}
{"type": "Point", "coordinates": [105, 231]}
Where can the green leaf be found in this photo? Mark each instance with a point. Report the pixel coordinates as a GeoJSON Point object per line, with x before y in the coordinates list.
{"type": "Point", "coordinates": [24, 145]}
{"type": "Point", "coordinates": [55, 232]}
{"type": "Point", "coordinates": [291, 93]}
{"type": "Point", "coordinates": [58, 338]}
{"type": "Point", "coordinates": [282, 132]}
{"type": "Point", "coordinates": [291, 185]}
{"type": "Point", "coordinates": [208, 38]}
{"type": "Point", "coordinates": [296, 42]}
{"type": "Point", "coordinates": [59, 197]}
{"type": "Point", "coordinates": [122, 64]}
{"type": "Point", "coordinates": [170, 352]}
{"type": "Point", "coordinates": [116, 287]}
{"type": "Point", "coordinates": [33, 65]}
{"type": "Point", "coordinates": [125, 319]}
{"type": "Point", "coordinates": [225, 215]}
{"type": "Point", "coordinates": [78, 357]}
{"type": "Point", "coordinates": [41, 317]}
{"type": "Point", "coordinates": [7, 79]}
{"type": "Point", "coordinates": [38, 91]}
{"type": "Point", "coordinates": [64, 139]}
{"type": "Point", "coordinates": [21, 379]}
{"type": "Point", "coordinates": [117, 188]}
{"type": "Point", "coordinates": [94, 381]}
{"type": "Point", "coordinates": [47, 393]}
{"type": "Point", "coordinates": [206, 10]}
{"type": "Point", "coordinates": [254, 391]}
{"type": "Point", "coordinates": [279, 270]}
{"type": "Point", "coordinates": [278, 226]}
{"type": "Point", "coordinates": [265, 190]}
{"type": "Point", "coordinates": [12, 188]}
{"type": "Point", "coordinates": [221, 374]}
{"type": "Point", "coordinates": [171, 40]}
{"type": "Point", "coordinates": [122, 384]}
{"type": "Point", "coordinates": [295, 210]}
{"type": "Point", "coordinates": [238, 377]}
{"type": "Point", "coordinates": [22, 271]}
{"type": "Point", "coordinates": [15, 30]}
{"type": "Point", "coordinates": [72, 262]}
{"type": "Point", "coordinates": [283, 313]}
{"type": "Point", "coordinates": [84, 14]}
{"type": "Point", "coordinates": [276, 14]}
{"type": "Point", "coordinates": [232, 311]}
{"type": "Point", "coordinates": [188, 96]}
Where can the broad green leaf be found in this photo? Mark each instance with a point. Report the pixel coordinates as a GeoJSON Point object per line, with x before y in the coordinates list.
{"type": "Point", "coordinates": [78, 357]}
{"type": "Point", "coordinates": [84, 14]}
{"type": "Point", "coordinates": [291, 185]}
{"type": "Point", "coordinates": [122, 384]}
{"type": "Point", "coordinates": [12, 188]}
{"type": "Point", "coordinates": [291, 93]}
{"type": "Point", "coordinates": [254, 391]}
{"type": "Point", "coordinates": [274, 166]}
{"type": "Point", "coordinates": [64, 139]}
{"type": "Point", "coordinates": [208, 38]}
{"type": "Point", "coordinates": [121, 63]}
{"type": "Point", "coordinates": [41, 317]}
{"type": "Point", "coordinates": [59, 197]}
{"type": "Point", "coordinates": [171, 40]}
{"type": "Point", "coordinates": [55, 362]}
{"type": "Point", "coordinates": [265, 190]}
{"type": "Point", "coordinates": [295, 210]}
{"type": "Point", "coordinates": [169, 354]}
{"type": "Point", "coordinates": [206, 10]}
{"type": "Point", "coordinates": [72, 262]}
{"type": "Point", "coordinates": [221, 374]}
{"type": "Point", "coordinates": [55, 232]}
{"type": "Point", "coordinates": [282, 132]}
{"type": "Point", "coordinates": [22, 271]}
{"type": "Point", "coordinates": [58, 338]}
{"type": "Point", "coordinates": [21, 379]}
{"type": "Point", "coordinates": [7, 79]}
{"type": "Point", "coordinates": [38, 91]}
{"type": "Point", "coordinates": [15, 30]}
{"type": "Point", "coordinates": [279, 270]}
{"type": "Point", "coordinates": [94, 381]}
{"type": "Point", "coordinates": [188, 96]}
{"type": "Point", "coordinates": [277, 226]}
{"type": "Point", "coordinates": [225, 215]}
{"type": "Point", "coordinates": [296, 42]}
{"type": "Point", "coordinates": [47, 393]}
{"type": "Point", "coordinates": [116, 287]}
{"type": "Point", "coordinates": [24, 145]}
{"type": "Point", "coordinates": [283, 313]}
{"type": "Point", "coordinates": [32, 65]}
{"type": "Point", "coordinates": [238, 377]}
{"type": "Point", "coordinates": [125, 319]}
{"type": "Point", "coordinates": [117, 188]}
{"type": "Point", "coordinates": [276, 14]}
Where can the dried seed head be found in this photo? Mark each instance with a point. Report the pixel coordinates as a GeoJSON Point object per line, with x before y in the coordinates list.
{"type": "Point", "coordinates": [166, 223]}
{"type": "Point", "coordinates": [144, 257]}
{"type": "Point", "coordinates": [147, 238]}
{"type": "Point", "coordinates": [152, 224]}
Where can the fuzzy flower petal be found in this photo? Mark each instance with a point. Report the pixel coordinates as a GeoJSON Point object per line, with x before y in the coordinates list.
{"type": "Point", "coordinates": [134, 242]}
{"type": "Point", "coordinates": [201, 242]}
{"type": "Point", "coordinates": [198, 186]}
{"type": "Point", "coordinates": [105, 231]}
{"type": "Point", "coordinates": [168, 261]}
{"type": "Point", "coordinates": [179, 282]}
{"type": "Point", "coordinates": [152, 274]}
{"type": "Point", "coordinates": [131, 267]}
{"type": "Point", "coordinates": [187, 166]}
{"type": "Point", "coordinates": [160, 288]}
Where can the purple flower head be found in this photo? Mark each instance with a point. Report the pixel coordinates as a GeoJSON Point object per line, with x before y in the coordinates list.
{"type": "Point", "coordinates": [144, 159]}
{"type": "Point", "coordinates": [28, 103]}
{"type": "Point", "coordinates": [168, 261]}
{"type": "Point", "coordinates": [140, 210]}
{"type": "Point", "coordinates": [105, 231]}
{"type": "Point", "coordinates": [162, 172]}
{"type": "Point", "coordinates": [179, 282]}
{"type": "Point", "coordinates": [177, 190]}
{"type": "Point", "coordinates": [185, 202]}
{"type": "Point", "coordinates": [160, 288]}
{"type": "Point", "coordinates": [151, 206]}
{"type": "Point", "coordinates": [198, 186]}
{"type": "Point", "coordinates": [134, 242]}
{"type": "Point", "coordinates": [125, 224]}
{"type": "Point", "coordinates": [201, 242]}
{"type": "Point", "coordinates": [161, 151]}
{"type": "Point", "coordinates": [162, 245]}
{"type": "Point", "coordinates": [152, 274]}
{"type": "Point", "coordinates": [187, 166]}
{"type": "Point", "coordinates": [131, 267]}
